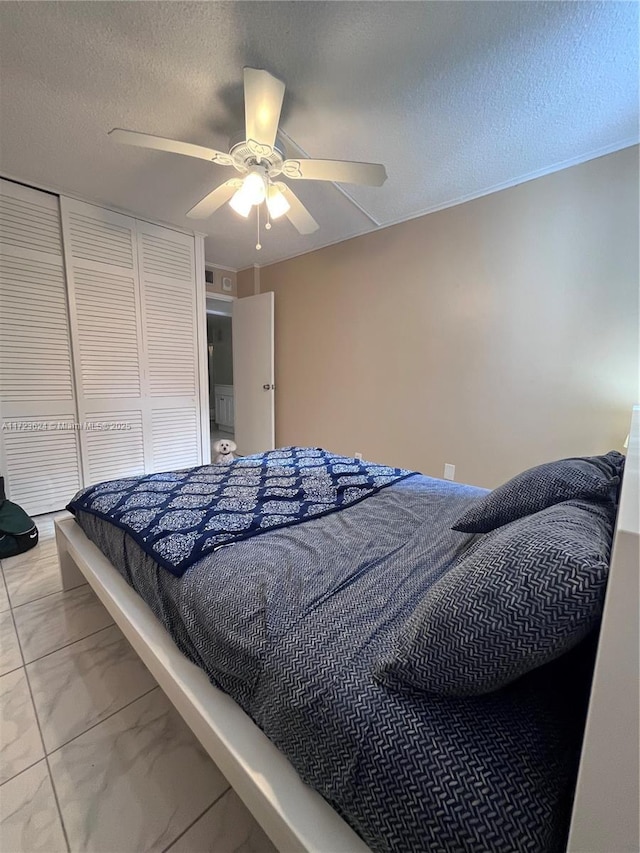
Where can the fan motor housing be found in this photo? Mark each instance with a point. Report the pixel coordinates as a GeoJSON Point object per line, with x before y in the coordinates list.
{"type": "Point", "coordinates": [244, 157]}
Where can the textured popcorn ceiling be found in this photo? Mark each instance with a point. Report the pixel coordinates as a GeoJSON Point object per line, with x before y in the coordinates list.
{"type": "Point", "coordinates": [455, 98]}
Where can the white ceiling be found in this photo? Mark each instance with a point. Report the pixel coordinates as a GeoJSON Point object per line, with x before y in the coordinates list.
{"type": "Point", "coordinates": [455, 98]}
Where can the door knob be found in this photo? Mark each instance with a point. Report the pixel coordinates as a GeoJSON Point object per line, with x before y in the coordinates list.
{"type": "Point", "coordinates": [268, 387]}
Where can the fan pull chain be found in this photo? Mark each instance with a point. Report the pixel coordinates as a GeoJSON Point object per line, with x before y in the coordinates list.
{"type": "Point", "coordinates": [258, 245]}
{"type": "Point", "coordinates": [267, 227]}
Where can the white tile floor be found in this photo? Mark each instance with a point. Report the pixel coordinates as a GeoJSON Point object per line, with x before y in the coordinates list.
{"type": "Point", "coordinates": [93, 757]}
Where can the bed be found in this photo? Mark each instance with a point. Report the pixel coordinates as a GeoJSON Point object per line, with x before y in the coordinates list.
{"type": "Point", "coordinates": [397, 769]}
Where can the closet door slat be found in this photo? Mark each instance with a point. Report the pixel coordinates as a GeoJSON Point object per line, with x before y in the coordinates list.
{"type": "Point", "coordinates": [31, 221]}
{"type": "Point", "coordinates": [115, 447]}
{"type": "Point", "coordinates": [39, 458]}
{"type": "Point", "coordinates": [106, 323]}
{"type": "Point", "coordinates": [175, 438]}
{"type": "Point", "coordinates": [166, 260]}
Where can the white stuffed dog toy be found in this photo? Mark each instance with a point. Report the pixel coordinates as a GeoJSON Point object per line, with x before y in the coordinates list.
{"type": "Point", "coordinates": [223, 450]}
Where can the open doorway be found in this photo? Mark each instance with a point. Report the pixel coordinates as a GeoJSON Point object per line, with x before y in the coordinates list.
{"type": "Point", "coordinates": [240, 361]}
{"type": "Point", "coordinates": [220, 367]}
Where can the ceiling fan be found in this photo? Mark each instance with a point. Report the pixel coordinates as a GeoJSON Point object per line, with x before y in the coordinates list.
{"type": "Point", "coordinates": [260, 159]}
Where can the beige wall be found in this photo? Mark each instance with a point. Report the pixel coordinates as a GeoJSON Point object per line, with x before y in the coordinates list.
{"type": "Point", "coordinates": [218, 274]}
{"type": "Point", "coordinates": [247, 282]}
{"type": "Point", "coordinates": [494, 335]}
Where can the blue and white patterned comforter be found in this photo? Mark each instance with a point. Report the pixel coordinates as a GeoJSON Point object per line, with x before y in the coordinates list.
{"type": "Point", "coordinates": [292, 623]}
{"type": "Point", "coordinates": [179, 516]}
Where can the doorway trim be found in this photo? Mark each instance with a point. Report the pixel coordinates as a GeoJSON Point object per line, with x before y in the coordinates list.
{"type": "Point", "coordinates": [222, 297]}
{"type": "Point", "coordinates": [201, 338]}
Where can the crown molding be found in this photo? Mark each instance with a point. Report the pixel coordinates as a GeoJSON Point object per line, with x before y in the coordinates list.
{"type": "Point", "coordinates": [505, 185]}
{"type": "Point", "coordinates": [210, 266]}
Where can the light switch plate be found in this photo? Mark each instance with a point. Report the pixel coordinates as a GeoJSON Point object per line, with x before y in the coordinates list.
{"type": "Point", "coordinates": [449, 471]}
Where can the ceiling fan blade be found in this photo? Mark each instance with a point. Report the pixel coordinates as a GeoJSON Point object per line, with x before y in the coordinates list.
{"type": "Point", "coordinates": [340, 171]}
{"type": "Point", "coordinates": [159, 143]}
{"type": "Point", "coordinates": [215, 199]}
{"type": "Point", "coordinates": [263, 95]}
{"type": "Point", "coordinates": [298, 215]}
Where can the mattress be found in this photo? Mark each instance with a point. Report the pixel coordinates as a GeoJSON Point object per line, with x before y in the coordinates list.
{"type": "Point", "coordinates": [292, 624]}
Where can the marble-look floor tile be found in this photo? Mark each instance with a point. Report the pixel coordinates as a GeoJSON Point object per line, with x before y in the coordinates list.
{"type": "Point", "coordinates": [10, 657]}
{"type": "Point", "coordinates": [20, 743]}
{"type": "Point", "coordinates": [29, 819]}
{"type": "Point", "coordinates": [4, 598]}
{"type": "Point", "coordinates": [135, 781]}
{"type": "Point", "coordinates": [57, 620]}
{"type": "Point", "coordinates": [34, 574]}
{"type": "Point", "coordinates": [81, 684]}
{"type": "Point", "coordinates": [228, 827]}
{"type": "Point", "coordinates": [45, 523]}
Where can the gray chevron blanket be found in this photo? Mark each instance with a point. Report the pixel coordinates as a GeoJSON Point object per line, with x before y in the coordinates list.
{"type": "Point", "coordinates": [180, 516]}
{"type": "Point", "coordinates": [292, 624]}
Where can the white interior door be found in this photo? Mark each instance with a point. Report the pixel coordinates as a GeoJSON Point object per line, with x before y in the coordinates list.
{"type": "Point", "coordinates": [132, 295]}
{"type": "Point", "coordinates": [253, 373]}
{"type": "Point", "coordinates": [167, 275]}
{"type": "Point", "coordinates": [38, 439]}
{"type": "Point", "coordinates": [106, 332]}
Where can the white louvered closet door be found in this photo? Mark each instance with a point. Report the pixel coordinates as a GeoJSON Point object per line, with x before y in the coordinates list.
{"type": "Point", "coordinates": [106, 329]}
{"type": "Point", "coordinates": [166, 261]}
{"type": "Point", "coordinates": [38, 442]}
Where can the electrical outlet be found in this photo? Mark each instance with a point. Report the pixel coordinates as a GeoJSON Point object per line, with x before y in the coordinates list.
{"type": "Point", "coordinates": [358, 455]}
{"type": "Point", "coordinates": [449, 471]}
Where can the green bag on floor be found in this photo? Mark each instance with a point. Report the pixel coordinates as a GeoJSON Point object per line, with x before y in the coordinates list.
{"type": "Point", "coordinates": [18, 532]}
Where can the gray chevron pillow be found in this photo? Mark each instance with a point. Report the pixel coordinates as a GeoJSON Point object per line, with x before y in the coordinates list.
{"type": "Point", "coordinates": [523, 595]}
{"type": "Point", "coordinates": [589, 478]}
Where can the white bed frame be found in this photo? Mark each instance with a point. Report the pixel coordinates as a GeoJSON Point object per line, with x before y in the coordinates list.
{"type": "Point", "coordinates": [295, 817]}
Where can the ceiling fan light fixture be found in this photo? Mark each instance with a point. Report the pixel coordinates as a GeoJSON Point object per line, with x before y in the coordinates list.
{"type": "Point", "coordinates": [241, 203]}
{"type": "Point", "coordinates": [254, 187]}
{"type": "Point", "coordinates": [276, 202]}
{"type": "Point", "coordinates": [252, 192]}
